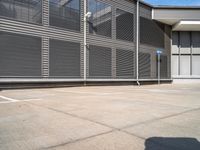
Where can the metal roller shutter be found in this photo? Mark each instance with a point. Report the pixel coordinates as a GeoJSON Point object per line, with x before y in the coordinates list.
{"type": "Point", "coordinates": [20, 55]}
{"type": "Point", "coordinates": [144, 65]}
{"type": "Point", "coordinates": [100, 62]}
{"type": "Point", "coordinates": [64, 59]}
{"type": "Point", "coordinates": [125, 64]}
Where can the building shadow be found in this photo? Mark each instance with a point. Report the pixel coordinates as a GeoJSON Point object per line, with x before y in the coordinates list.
{"type": "Point", "coordinates": [172, 143]}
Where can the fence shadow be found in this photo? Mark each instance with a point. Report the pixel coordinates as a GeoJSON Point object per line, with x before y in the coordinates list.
{"type": "Point", "coordinates": [169, 143]}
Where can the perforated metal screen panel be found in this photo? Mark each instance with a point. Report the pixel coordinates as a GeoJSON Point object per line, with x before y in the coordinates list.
{"type": "Point", "coordinates": [125, 65]}
{"type": "Point", "coordinates": [124, 25]}
{"type": "Point", "coordinates": [100, 21]}
{"type": "Point", "coordinates": [100, 62]}
{"type": "Point", "coordinates": [65, 14]}
{"type": "Point", "coordinates": [22, 10]}
{"type": "Point", "coordinates": [144, 65]}
{"type": "Point", "coordinates": [163, 67]}
{"type": "Point", "coordinates": [20, 55]}
{"type": "Point", "coordinates": [64, 59]}
{"type": "Point", "coordinates": [151, 32]}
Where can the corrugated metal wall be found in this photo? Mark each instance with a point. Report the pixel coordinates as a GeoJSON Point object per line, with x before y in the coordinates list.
{"type": "Point", "coordinates": [111, 38]}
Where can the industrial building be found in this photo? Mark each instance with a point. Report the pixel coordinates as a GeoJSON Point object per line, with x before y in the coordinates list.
{"type": "Point", "coordinates": [97, 40]}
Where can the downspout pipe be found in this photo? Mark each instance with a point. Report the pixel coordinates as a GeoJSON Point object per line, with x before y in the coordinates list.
{"type": "Point", "coordinates": [137, 42]}
{"type": "Point", "coordinates": [85, 42]}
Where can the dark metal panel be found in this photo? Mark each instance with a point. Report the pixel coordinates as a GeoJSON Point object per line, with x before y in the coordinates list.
{"type": "Point", "coordinates": [151, 32]}
{"type": "Point", "coordinates": [65, 14]}
{"type": "Point", "coordinates": [125, 65]}
{"type": "Point", "coordinates": [64, 59]}
{"type": "Point", "coordinates": [20, 55]}
{"type": "Point", "coordinates": [124, 25]}
{"type": "Point", "coordinates": [27, 10]}
{"type": "Point", "coordinates": [185, 43]}
{"type": "Point", "coordinates": [145, 11]}
{"type": "Point", "coordinates": [196, 42]}
{"type": "Point", "coordinates": [163, 67]}
{"type": "Point", "coordinates": [100, 62]}
{"type": "Point", "coordinates": [101, 19]}
{"type": "Point", "coordinates": [144, 65]}
{"type": "Point", "coordinates": [175, 43]}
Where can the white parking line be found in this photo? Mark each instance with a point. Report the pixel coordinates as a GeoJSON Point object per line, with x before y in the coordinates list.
{"type": "Point", "coordinates": [84, 92]}
{"type": "Point", "coordinates": [11, 100]}
{"type": "Point", "coordinates": [8, 98]}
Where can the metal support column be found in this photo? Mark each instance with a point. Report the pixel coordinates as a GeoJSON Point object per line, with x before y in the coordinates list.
{"type": "Point", "coordinates": [137, 42]}
{"type": "Point", "coordinates": [85, 41]}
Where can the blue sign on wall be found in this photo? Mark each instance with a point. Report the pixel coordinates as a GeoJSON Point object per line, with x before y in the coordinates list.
{"type": "Point", "coordinates": [159, 51]}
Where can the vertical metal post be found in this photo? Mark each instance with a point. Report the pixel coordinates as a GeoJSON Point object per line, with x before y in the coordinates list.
{"type": "Point", "coordinates": [158, 68]}
{"type": "Point", "coordinates": [137, 43]}
{"type": "Point", "coordinates": [85, 41]}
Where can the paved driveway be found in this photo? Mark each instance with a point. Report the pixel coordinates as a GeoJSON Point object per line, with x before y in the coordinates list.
{"type": "Point", "coordinates": [153, 117]}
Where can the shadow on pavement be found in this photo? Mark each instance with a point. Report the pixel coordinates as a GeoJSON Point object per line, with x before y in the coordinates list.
{"type": "Point", "coordinates": [168, 143]}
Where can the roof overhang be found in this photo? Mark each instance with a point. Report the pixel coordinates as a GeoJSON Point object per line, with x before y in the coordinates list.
{"type": "Point", "coordinates": [183, 19]}
{"type": "Point", "coordinates": [187, 26]}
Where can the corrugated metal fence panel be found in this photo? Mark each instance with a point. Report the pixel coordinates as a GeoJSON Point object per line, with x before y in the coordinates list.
{"type": "Point", "coordinates": [144, 65]}
{"type": "Point", "coordinates": [20, 55]}
{"type": "Point", "coordinates": [64, 59]}
{"type": "Point", "coordinates": [125, 64]}
{"type": "Point", "coordinates": [100, 62]}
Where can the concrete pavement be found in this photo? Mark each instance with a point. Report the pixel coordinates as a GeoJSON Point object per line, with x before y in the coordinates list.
{"type": "Point", "coordinates": [151, 117]}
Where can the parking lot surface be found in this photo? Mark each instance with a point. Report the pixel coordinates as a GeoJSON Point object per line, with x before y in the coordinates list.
{"type": "Point", "coordinates": [151, 117]}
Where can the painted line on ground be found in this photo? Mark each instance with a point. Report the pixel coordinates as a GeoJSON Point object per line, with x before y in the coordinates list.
{"type": "Point", "coordinates": [8, 98]}
{"type": "Point", "coordinates": [12, 100]}
{"type": "Point", "coordinates": [92, 93]}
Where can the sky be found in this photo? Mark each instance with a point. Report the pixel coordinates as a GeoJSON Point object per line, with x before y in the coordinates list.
{"type": "Point", "coordinates": [174, 2]}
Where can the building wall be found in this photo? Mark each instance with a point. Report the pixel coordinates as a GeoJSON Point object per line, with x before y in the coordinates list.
{"type": "Point", "coordinates": [42, 40]}
{"type": "Point", "coordinates": [186, 54]}
{"type": "Point", "coordinates": [153, 36]}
